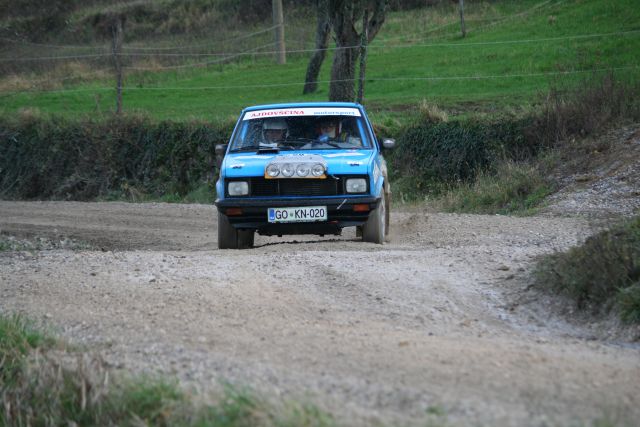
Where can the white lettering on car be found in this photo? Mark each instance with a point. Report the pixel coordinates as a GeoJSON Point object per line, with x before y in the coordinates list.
{"type": "Point", "coordinates": [290, 112]}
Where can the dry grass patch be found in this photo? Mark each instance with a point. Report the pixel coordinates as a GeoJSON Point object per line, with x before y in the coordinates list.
{"type": "Point", "coordinates": [43, 386]}
{"type": "Point", "coordinates": [600, 275]}
{"type": "Point", "coordinates": [514, 188]}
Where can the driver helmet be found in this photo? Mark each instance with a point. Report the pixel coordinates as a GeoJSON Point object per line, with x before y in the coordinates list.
{"type": "Point", "coordinates": [275, 130]}
{"type": "Point", "coordinates": [329, 127]}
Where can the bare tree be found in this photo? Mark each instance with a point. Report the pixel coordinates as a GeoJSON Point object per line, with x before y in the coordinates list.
{"type": "Point", "coordinates": [343, 16]}
{"type": "Point", "coordinates": [363, 57]}
{"type": "Point", "coordinates": [323, 29]}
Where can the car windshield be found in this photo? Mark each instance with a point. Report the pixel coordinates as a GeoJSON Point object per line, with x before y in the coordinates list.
{"type": "Point", "coordinates": [310, 130]}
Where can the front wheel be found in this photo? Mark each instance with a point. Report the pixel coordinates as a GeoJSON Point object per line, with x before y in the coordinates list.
{"type": "Point", "coordinates": [231, 238]}
{"type": "Point", "coordinates": [374, 229]}
{"type": "Point", "coordinates": [245, 239]}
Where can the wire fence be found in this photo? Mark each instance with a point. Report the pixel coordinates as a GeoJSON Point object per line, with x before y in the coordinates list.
{"type": "Point", "coordinates": [258, 50]}
{"type": "Point", "coordinates": [369, 80]}
{"type": "Point", "coordinates": [94, 62]}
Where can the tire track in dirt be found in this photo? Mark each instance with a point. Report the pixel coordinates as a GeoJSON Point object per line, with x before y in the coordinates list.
{"type": "Point", "coordinates": [367, 332]}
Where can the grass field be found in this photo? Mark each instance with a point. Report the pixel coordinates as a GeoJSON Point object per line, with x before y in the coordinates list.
{"type": "Point", "coordinates": [513, 52]}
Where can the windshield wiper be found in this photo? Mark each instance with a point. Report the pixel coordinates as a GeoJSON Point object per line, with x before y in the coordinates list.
{"type": "Point", "coordinates": [331, 143]}
{"type": "Point", "coordinates": [262, 150]}
{"type": "Point", "coordinates": [245, 148]}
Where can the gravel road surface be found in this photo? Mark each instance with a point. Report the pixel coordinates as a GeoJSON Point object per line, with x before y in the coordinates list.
{"type": "Point", "coordinates": [440, 320]}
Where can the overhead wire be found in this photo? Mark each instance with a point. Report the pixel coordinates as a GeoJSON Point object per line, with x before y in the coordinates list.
{"type": "Point", "coordinates": [254, 51]}
{"type": "Point", "coordinates": [495, 21]}
{"type": "Point", "coordinates": [242, 37]}
{"type": "Point", "coordinates": [106, 46]}
{"type": "Point", "coordinates": [369, 80]}
{"type": "Point", "coordinates": [54, 46]}
{"type": "Point", "coordinates": [223, 57]}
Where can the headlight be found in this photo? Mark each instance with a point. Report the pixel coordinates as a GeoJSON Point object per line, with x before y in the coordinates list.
{"type": "Point", "coordinates": [356, 185]}
{"type": "Point", "coordinates": [288, 170]}
{"type": "Point", "coordinates": [317, 170]}
{"type": "Point", "coordinates": [303, 169]}
{"type": "Point", "coordinates": [273, 170]}
{"type": "Point", "coordinates": [238, 188]}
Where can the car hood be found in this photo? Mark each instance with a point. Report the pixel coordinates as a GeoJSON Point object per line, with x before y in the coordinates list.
{"type": "Point", "coordinates": [338, 162]}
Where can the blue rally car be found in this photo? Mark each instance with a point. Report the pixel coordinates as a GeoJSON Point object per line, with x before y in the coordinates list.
{"type": "Point", "coordinates": [308, 168]}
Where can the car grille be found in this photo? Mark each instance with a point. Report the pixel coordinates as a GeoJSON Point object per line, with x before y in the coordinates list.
{"type": "Point", "coordinates": [331, 186]}
{"type": "Point", "coordinates": [295, 187]}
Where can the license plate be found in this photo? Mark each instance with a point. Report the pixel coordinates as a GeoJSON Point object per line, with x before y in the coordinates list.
{"type": "Point", "coordinates": [301, 214]}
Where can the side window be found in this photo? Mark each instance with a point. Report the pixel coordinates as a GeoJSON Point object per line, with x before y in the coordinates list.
{"type": "Point", "coordinates": [350, 132]}
{"type": "Point", "coordinates": [363, 133]}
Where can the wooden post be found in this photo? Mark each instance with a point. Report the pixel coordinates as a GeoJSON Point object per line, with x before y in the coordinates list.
{"type": "Point", "coordinates": [364, 39]}
{"type": "Point", "coordinates": [464, 30]}
{"type": "Point", "coordinates": [116, 48]}
{"type": "Point", "coordinates": [278, 22]}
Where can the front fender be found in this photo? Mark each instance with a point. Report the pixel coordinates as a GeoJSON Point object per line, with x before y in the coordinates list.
{"type": "Point", "coordinates": [378, 176]}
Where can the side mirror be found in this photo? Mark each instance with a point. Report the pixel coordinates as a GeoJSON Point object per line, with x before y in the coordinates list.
{"type": "Point", "coordinates": [221, 150]}
{"type": "Point", "coordinates": [388, 143]}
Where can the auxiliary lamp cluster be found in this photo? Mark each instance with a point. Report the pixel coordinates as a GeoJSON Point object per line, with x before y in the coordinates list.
{"type": "Point", "coordinates": [295, 170]}
{"type": "Point", "coordinates": [296, 166]}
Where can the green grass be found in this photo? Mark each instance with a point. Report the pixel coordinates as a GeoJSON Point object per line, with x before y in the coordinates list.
{"type": "Point", "coordinates": [408, 62]}
{"type": "Point", "coordinates": [18, 337]}
{"type": "Point", "coordinates": [515, 188]}
{"type": "Point", "coordinates": [203, 194]}
{"type": "Point", "coordinates": [44, 391]}
{"type": "Point", "coordinates": [601, 274]}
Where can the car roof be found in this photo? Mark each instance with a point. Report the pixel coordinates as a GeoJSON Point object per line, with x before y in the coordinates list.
{"type": "Point", "coordinates": [303, 104]}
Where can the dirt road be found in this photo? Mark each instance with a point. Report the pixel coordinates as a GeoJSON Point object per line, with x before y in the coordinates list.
{"type": "Point", "coordinates": [438, 320]}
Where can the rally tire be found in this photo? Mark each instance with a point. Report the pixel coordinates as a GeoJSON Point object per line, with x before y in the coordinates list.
{"type": "Point", "coordinates": [245, 238]}
{"type": "Point", "coordinates": [373, 230]}
{"type": "Point", "coordinates": [227, 234]}
{"type": "Point", "coordinates": [387, 217]}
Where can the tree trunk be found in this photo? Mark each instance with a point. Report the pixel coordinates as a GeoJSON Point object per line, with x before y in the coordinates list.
{"type": "Point", "coordinates": [343, 15]}
{"type": "Point", "coordinates": [364, 39]}
{"type": "Point", "coordinates": [343, 71]}
{"type": "Point", "coordinates": [322, 43]}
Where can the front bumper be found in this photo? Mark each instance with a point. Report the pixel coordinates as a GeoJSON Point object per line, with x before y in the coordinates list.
{"type": "Point", "coordinates": [340, 214]}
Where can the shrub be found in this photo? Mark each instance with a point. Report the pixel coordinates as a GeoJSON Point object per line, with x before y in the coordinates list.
{"type": "Point", "coordinates": [601, 274]}
{"type": "Point", "coordinates": [591, 107]}
{"type": "Point", "coordinates": [514, 188]}
{"type": "Point", "coordinates": [442, 151]}
{"type": "Point", "coordinates": [435, 155]}
{"type": "Point", "coordinates": [17, 338]}
{"type": "Point", "coordinates": [456, 151]}
{"type": "Point", "coordinates": [81, 160]}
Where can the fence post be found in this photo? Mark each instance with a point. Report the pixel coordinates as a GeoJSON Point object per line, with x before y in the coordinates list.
{"type": "Point", "coordinates": [462, 26]}
{"type": "Point", "coordinates": [116, 48]}
{"type": "Point", "coordinates": [278, 23]}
